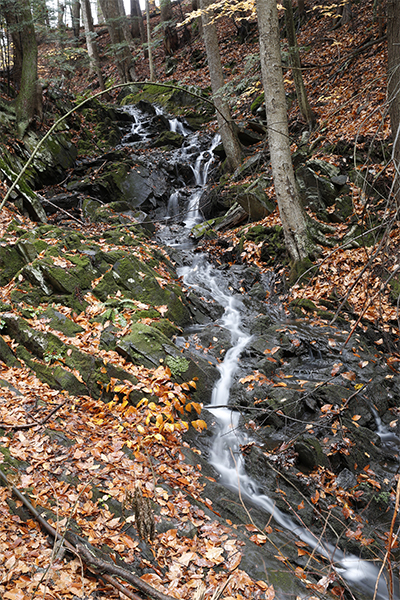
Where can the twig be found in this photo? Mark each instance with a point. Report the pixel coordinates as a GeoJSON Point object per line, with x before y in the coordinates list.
{"type": "Point", "coordinates": [381, 289]}
{"type": "Point", "coordinates": [101, 566]}
{"type": "Point", "coordinates": [43, 199]}
{"type": "Point", "coordinates": [35, 423]}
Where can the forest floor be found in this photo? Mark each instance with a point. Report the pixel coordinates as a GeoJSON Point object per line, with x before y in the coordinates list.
{"type": "Point", "coordinates": [345, 77]}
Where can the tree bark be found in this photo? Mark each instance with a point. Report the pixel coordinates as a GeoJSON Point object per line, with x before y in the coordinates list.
{"type": "Point", "coordinates": [126, 26]}
{"type": "Point", "coordinates": [165, 10]}
{"type": "Point", "coordinates": [28, 103]}
{"type": "Point", "coordinates": [293, 216]}
{"type": "Point", "coordinates": [137, 25]}
{"type": "Point", "coordinates": [76, 18]}
{"type": "Point", "coordinates": [91, 43]}
{"type": "Point", "coordinates": [393, 36]}
{"type": "Point", "coordinates": [13, 17]}
{"type": "Point", "coordinates": [123, 57]}
{"type": "Point", "coordinates": [150, 53]}
{"type": "Point", "coordinates": [226, 126]}
{"type": "Point", "coordinates": [295, 63]}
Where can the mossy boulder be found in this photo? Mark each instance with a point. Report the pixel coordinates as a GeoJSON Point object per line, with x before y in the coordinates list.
{"type": "Point", "coordinates": [169, 138]}
{"type": "Point", "coordinates": [146, 345]}
{"type": "Point", "coordinates": [188, 100]}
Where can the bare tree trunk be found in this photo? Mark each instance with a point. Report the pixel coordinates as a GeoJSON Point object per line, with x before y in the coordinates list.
{"type": "Point", "coordinates": [76, 18]}
{"type": "Point", "coordinates": [91, 43]}
{"type": "Point", "coordinates": [120, 48]}
{"type": "Point", "coordinates": [393, 35]}
{"type": "Point", "coordinates": [226, 126]}
{"type": "Point", "coordinates": [100, 17]}
{"type": "Point", "coordinates": [137, 25]}
{"type": "Point", "coordinates": [13, 15]}
{"type": "Point", "coordinates": [166, 10]}
{"type": "Point", "coordinates": [60, 16]}
{"type": "Point", "coordinates": [295, 62]}
{"type": "Point", "coordinates": [292, 214]}
{"type": "Point", "coordinates": [151, 66]}
{"type": "Point", "coordinates": [125, 26]}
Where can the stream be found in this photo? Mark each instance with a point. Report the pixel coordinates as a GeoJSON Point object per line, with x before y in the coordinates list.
{"type": "Point", "coordinates": [362, 576]}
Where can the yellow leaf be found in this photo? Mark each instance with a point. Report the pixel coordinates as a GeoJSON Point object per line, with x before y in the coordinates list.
{"type": "Point", "coordinates": [122, 387]}
{"type": "Point", "coordinates": [199, 425]}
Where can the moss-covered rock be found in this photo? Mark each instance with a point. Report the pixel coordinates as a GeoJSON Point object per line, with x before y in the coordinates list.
{"type": "Point", "coordinates": [169, 138]}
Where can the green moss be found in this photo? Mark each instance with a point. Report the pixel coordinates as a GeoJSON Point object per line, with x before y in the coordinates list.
{"type": "Point", "coordinates": [257, 103]}
{"type": "Point", "coordinates": [394, 289]}
{"type": "Point", "coordinates": [166, 327]}
{"type": "Point", "coordinates": [301, 271]}
{"type": "Point", "coordinates": [178, 365]}
{"type": "Point", "coordinates": [304, 303]}
{"type": "Point", "coordinates": [11, 262]}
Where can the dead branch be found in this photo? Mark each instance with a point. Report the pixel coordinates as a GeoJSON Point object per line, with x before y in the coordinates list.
{"type": "Point", "coordinates": [99, 567]}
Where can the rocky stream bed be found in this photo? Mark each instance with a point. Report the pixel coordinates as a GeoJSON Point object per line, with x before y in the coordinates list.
{"type": "Point", "coordinates": [316, 414]}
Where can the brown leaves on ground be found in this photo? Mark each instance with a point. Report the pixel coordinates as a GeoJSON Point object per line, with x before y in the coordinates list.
{"type": "Point", "coordinates": [90, 447]}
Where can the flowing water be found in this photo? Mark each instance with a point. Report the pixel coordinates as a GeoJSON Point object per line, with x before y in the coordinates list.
{"type": "Point", "coordinates": [225, 455]}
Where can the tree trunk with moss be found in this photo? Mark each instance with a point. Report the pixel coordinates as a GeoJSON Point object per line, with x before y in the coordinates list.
{"type": "Point", "coordinates": [294, 55]}
{"type": "Point", "coordinates": [165, 10]}
{"type": "Point", "coordinates": [293, 217]}
{"type": "Point", "coordinates": [28, 103]}
{"type": "Point", "coordinates": [226, 125]}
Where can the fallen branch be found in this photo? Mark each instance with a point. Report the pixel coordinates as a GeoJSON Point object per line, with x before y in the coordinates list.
{"type": "Point", "coordinates": [99, 567]}
{"type": "Point", "coordinates": [102, 567]}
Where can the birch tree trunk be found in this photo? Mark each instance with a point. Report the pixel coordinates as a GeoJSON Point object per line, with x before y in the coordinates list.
{"type": "Point", "coordinates": [91, 43]}
{"type": "Point", "coordinates": [226, 126]}
{"type": "Point", "coordinates": [293, 216]}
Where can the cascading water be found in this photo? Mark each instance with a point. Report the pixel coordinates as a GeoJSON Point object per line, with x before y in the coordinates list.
{"type": "Point", "coordinates": [200, 171]}
{"type": "Point", "coordinates": [226, 457]}
{"type": "Point", "coordinates": [225, 454]}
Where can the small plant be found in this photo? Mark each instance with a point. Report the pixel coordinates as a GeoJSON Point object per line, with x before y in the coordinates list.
{"type": "Point", "coordinates": [49, 357]}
